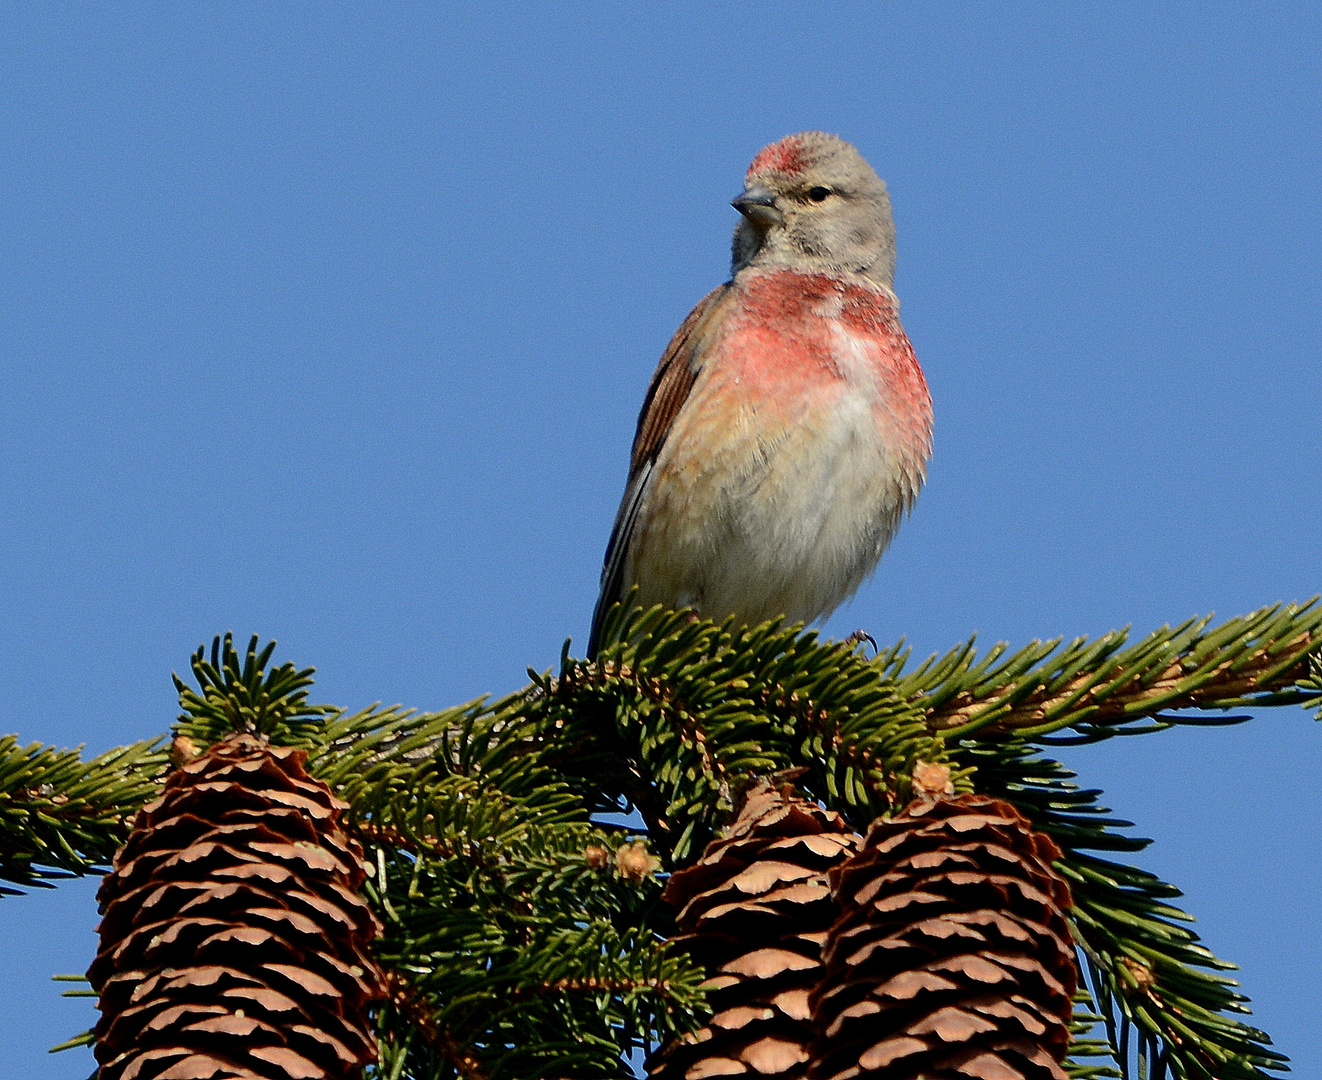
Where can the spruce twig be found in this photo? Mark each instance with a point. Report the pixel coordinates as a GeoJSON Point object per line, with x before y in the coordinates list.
{"type": "Point", "coordinates": [61, 815]}
{"type": "Point", "coordinates": [1100, 689]}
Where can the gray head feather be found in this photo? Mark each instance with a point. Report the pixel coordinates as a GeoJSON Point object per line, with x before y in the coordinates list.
{"type": "Point", "coordinates": [812, 203]}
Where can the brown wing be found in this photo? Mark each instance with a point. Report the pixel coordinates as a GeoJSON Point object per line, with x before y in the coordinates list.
{"type": "Point", "coordinates": [673, 379]}
{"type": "Point", "coordinates": [675, 374]}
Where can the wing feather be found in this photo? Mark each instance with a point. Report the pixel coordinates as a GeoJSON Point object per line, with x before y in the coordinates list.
{"type": "Point", "coordinates": [669, 389]}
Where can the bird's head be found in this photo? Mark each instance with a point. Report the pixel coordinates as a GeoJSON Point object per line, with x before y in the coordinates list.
{"type": "Point", "coordinates": [810, 202]}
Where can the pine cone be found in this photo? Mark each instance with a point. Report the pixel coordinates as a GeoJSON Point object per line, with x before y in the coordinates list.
{"type": "Point", "coordinates": [952, 959]}
{"type": "Point", "coordinates": [233, 942]}
{"type": "Point", "coordinates": [755, 910]}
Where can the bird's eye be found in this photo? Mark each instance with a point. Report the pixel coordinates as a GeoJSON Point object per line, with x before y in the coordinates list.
{"type": "Point", "coordinates": [818, 194]}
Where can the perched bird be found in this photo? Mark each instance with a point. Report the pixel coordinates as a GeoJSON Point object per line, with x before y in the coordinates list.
{"type": "Point", "coordinates": [787, 428]}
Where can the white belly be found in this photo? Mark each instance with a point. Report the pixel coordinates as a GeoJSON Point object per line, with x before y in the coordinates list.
{"type": "Point", "coordinates": [763, 520]}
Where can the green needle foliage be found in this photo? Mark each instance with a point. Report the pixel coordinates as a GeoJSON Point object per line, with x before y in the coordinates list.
{"type": "Point", "coordinates": [1100, 689]}
{"type": "Point", "coordinates": [523, 938]}
{"type": "Point", "coordinates": [680, 718]}
{"type": "Point", "coordinates": [61, 816]}
{"type": "Point", "coordinates": [241, 695]}
{"type": "Point", "coordinates": [518, 847]}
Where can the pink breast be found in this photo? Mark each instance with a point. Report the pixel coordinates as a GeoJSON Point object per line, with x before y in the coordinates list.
{"type": "Point", "coordinates": [798, 341]}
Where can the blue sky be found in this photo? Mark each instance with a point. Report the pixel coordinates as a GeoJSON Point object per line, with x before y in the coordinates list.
{"type": "Point", "coordinates": [330, 323]}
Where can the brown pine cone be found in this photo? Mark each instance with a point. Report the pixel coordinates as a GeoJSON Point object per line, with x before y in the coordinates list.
{"type": "Point", "coordinates": [952, 958]}
{"type": "Point", "coordinates": [233, 939]}
{"type": "Point", "coordinates": [754, 910]}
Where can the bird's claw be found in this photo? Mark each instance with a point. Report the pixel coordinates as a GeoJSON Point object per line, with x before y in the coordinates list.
{"type": "Point", "coordinates": [862, 635]}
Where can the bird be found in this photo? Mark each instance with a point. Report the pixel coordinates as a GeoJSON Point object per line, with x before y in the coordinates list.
{"type": "Point", "coordinates": [787, 428]}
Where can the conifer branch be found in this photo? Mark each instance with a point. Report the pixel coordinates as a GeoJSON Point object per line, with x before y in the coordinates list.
{"type": "Point", "coordinates": [701, 709]}
{"type": "Point", "coordinates": [523, 931]}
{"type": "Point", "coordinates": [412, 1005]}
{"type": "Point", "coordinates": [243, 695]}
{"type": "Point", "coordinates": [61, 815]}
{"type": "Point", "coordinates": [1101, 689]}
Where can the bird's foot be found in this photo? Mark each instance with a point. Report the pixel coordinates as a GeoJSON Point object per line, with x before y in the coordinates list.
{"type": "Point", "coordinates": [860, 636]}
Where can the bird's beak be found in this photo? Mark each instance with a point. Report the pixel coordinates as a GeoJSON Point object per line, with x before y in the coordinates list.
{"type": "Point", "coordinates": [758, 205]}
